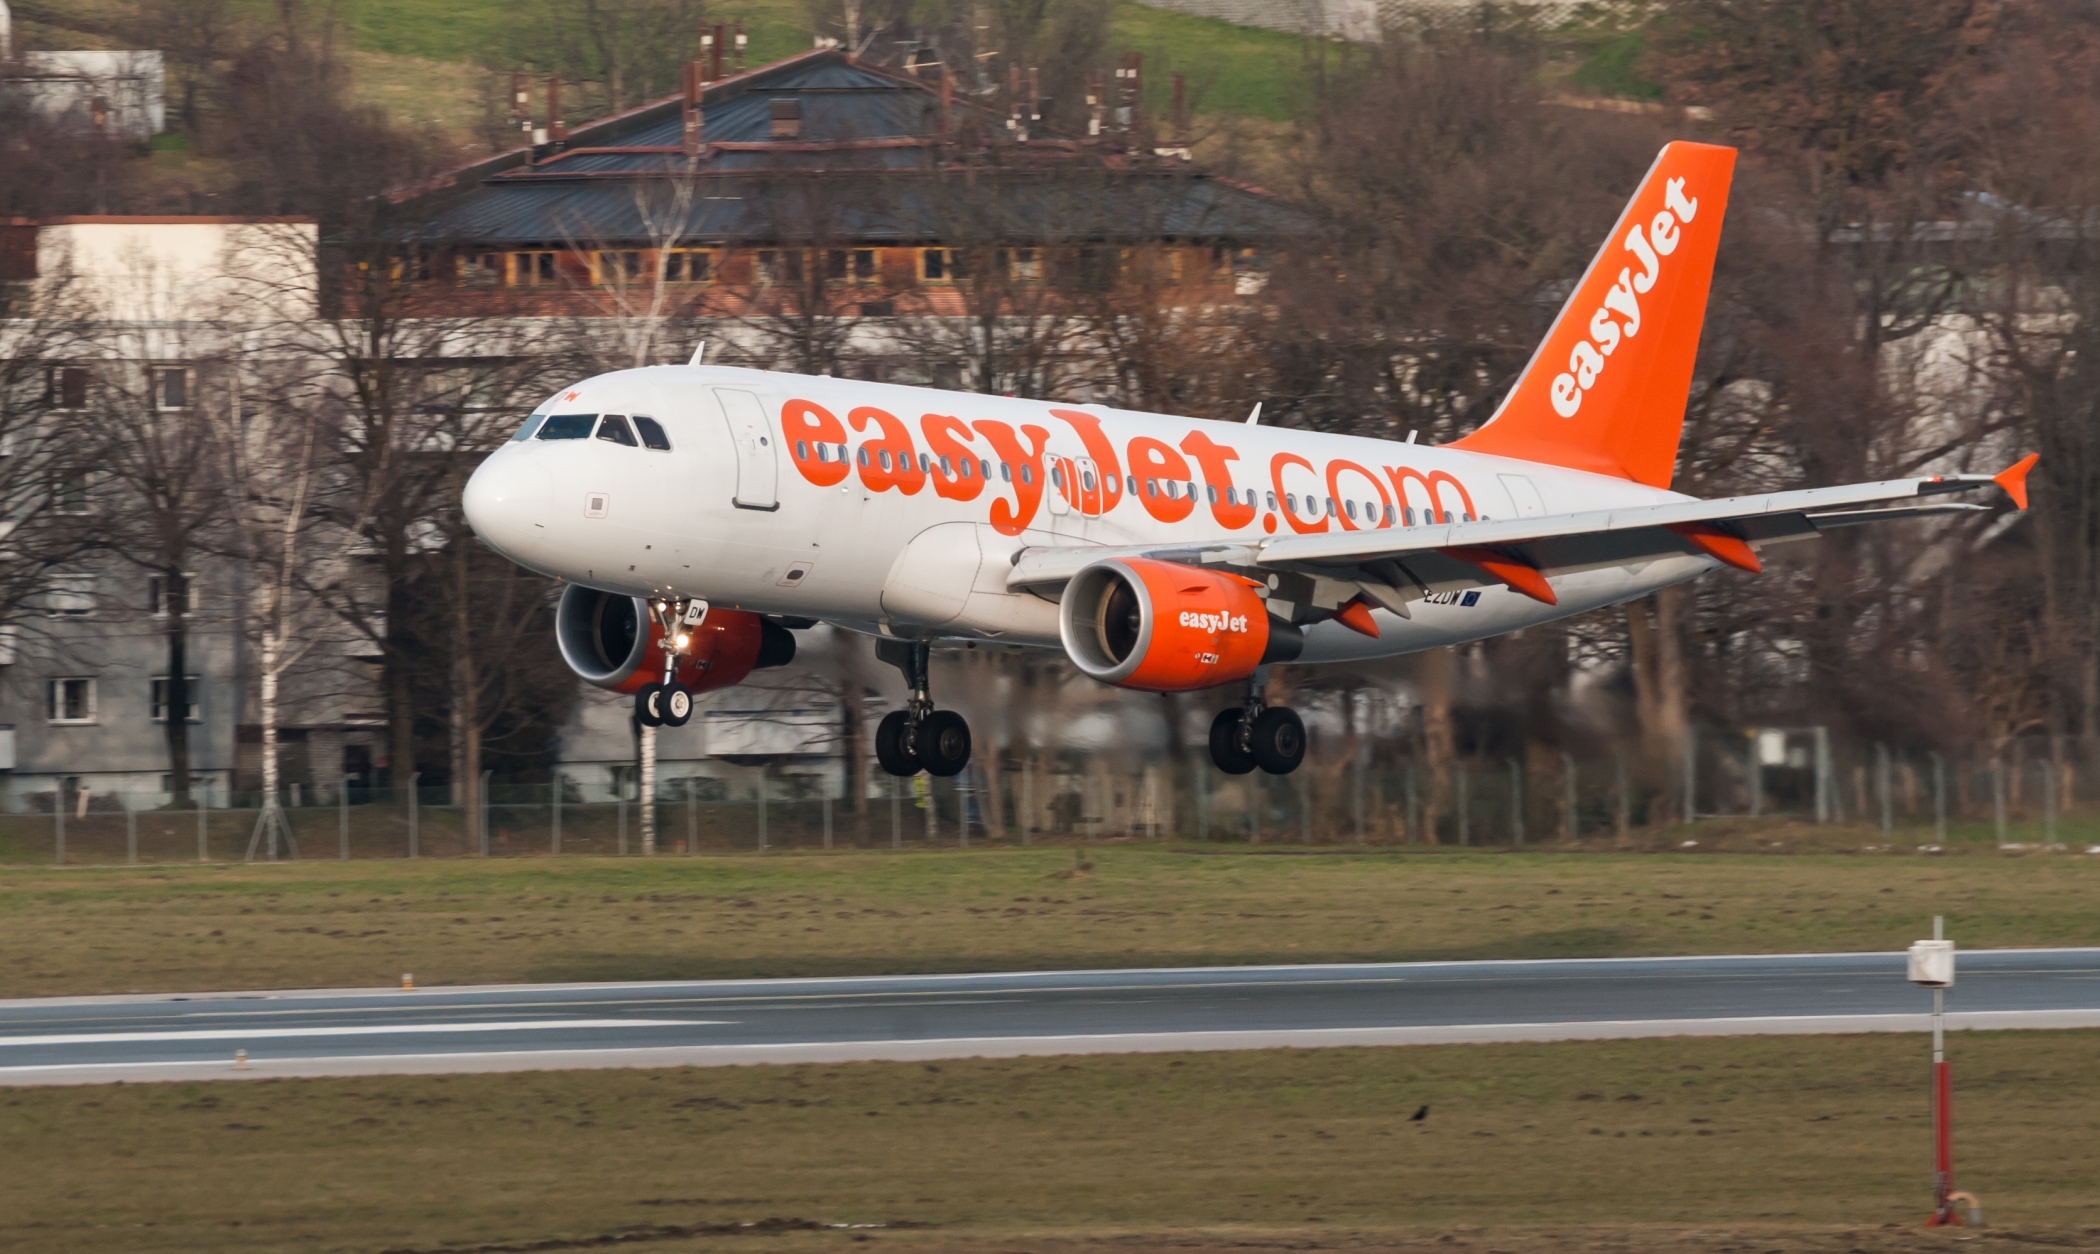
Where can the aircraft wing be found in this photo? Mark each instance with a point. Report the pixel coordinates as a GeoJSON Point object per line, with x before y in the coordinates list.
{"type": "Point", "coordinates": [1393, 565]}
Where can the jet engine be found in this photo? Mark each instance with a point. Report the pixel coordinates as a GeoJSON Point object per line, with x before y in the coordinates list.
{"type": "Point", "coordinates": [614, 642]}
{"type": "Point", "coordinates": [1163, 627]}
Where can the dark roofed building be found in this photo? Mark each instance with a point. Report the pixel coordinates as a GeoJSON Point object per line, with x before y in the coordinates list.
{"type": "Point", "coordinates": [817, 173]}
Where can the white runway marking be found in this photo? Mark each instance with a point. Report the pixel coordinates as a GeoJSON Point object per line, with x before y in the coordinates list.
{"type": "Point", "coordinates": [363, 1029]}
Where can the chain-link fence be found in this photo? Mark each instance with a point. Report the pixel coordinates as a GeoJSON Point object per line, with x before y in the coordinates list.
{"type": "Point", "coordinates": [2034, 790]}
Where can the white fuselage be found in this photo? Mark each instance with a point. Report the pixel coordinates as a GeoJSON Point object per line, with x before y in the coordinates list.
{"type": "Point", "coordinates": [753, 507]}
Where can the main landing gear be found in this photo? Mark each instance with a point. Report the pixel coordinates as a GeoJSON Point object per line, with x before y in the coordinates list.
{"type": "Point", "coordinates": [919, 737]}
{"type": "Point", "coordinates": [668, 703]}
{"type": "Point", "coordinates": [1252, 734]}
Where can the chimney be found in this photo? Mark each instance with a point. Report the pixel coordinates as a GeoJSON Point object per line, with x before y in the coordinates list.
{"type": "Point", "coordinates": [947, 99]}
{"type": "Point", "coordinates": [695, 100]}
{"type": "Point", "coordinates": [741, 40]}
{"type": "Point", "coordinates": [1035, 96]}
{"type": "Point", "coordinates": [1129, 83]}
{"type": "Point", "coordinates": [715, 70]}
{"type": "Point", "coordinates": [557, 130]}
{"type": "Point", "coordinates": [521, 101]}
{"type": "Point", "coordinates": [1093, 104]}
{"type": "Point", "coordinates": [707, 52]}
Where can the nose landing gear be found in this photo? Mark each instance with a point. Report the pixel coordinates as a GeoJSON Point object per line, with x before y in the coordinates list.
{"type": "Point", "coordinates": [919, 737]}
{"type": "Point", "coordinates": [1252, 734]}
{"type": "Point", "coordinates": [668, 703]}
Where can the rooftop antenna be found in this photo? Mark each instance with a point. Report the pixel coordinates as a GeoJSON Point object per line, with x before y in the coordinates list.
{"type": "Point", "coordinates": [1255, 417]}
{"type": "Point", "coordinates": [699, 351]}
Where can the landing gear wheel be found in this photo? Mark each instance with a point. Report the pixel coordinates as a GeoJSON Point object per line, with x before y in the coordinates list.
{"type": "Point", "coordinates": [891, 749]}
{"type": "Point", "coordinates": [648, 705]}
{"type": "Point", "coordinates": [1278, 740]}
{"type": "Point", "coordinates": [943, 743]}
{"type": "Point", "coordinates": [1225, 748]}
{"type": "Point", "coordinates": [676, 704]}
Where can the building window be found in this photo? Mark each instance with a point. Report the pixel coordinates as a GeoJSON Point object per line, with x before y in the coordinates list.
{"type": "Point", "coordinates": [171, 388]}
{"type": "Point", "coordinates": [66, 387]}
{"type": "Point", "coordinates": [72, 700]}
{"type": "Point", "coordinates": [786, 118]}
{"type": "Point", "coordinates": [777, 266]}
{"type": "Point", "coordinates": [532, 269]}
{"type": "Point", "coordinates": [160, 698]}
{"type": "Point", "coordinates": [850, 265]}
{"type": "Point", "coordinates": [689, 265]}
{"type": "Point", "coordinates": [617, 269]}
{"type": "Point", "coordinates": [481, 270]}
{"type": "Point", "coordinates": [157, 594]}
{"type": "Point", "coordinates": [1022, 265]}
{"type": "Point", "coordinates": [69, 494]}
{"type": "Point", "coordinates": [941, 265]}
{"type": "Point", "coordinates": [72, 596]}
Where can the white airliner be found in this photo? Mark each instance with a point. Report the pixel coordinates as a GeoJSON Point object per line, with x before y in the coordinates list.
{"type": "Point", "coordinates": [701, 513]}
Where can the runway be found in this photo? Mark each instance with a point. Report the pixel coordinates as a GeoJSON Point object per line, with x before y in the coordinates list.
{"type": "Point", "coordinates": [78, 1040]}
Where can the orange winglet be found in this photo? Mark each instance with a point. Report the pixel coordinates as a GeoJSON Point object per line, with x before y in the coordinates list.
{"type": "Point", "coordinates": [1356, 616]}
{"type": "Point", "coordinates": [1508, 571]}
{"type": "Point", "coordinates": [2014, 478]}
{"type": "Point", "coordinates": [1720, 546]}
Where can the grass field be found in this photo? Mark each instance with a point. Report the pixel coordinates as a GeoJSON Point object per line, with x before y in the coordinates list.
{"type": "Point", "coordinates": [327, 924]}
{"type": "Point", "coordinates": [1747, 1145]}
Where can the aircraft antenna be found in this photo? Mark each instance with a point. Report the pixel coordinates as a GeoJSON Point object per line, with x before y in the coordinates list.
{"type": "Point", "coordinates": [1254, 417]}
{"type": "Point", "coordinates": [698, 352]}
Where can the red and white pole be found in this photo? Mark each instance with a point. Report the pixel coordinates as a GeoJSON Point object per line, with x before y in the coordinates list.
{"type": "Point", "coordinates": [1932, 965]}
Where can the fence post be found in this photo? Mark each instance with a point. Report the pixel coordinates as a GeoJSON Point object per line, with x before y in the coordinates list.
{"type": "Point", "coordinates": [131, 832]}
{"type": "Point", "coordinates": [1305, 808]}
{"type": "Point", "coordinates": [415, 849]}
{"type": "Point", "coordinates": [58, 808]}
{"type": "Point", "coordinates": [1202, 804]}
{"type": "Point", "coordinates": [1027, 801]}
{"type": "Point", "coordinates": [1691, 775]}
{"type": "Point", "coordinates": [963, 793]}
{"type": "Point", "coordinates": [1516, 804]}
{"type": "Point", "coordinates": [2048, 769]}
{"type": "Point", "coordinates": [692, 815]}
{"type": "Point", "coordinates": [1625, 794]}
{"type": "Point", "coordinates": [1567, 768]}
{"type": "Point", "coordinates": [896, 812]}
{"type": "Point", "coordinates": [342, 812]}
{"type": "Point", "coordinates": [1881, 784]}
{"type": "Point", "coordinates": [827, 816]}
{"type": "Point", "coordinates": [1998, 795]}
{"type": "Point", "coordinates": [761, 809]}
{"type": "Point", "coordinates": [1823, 781]}
{"type": "Point", "coordinates": [620, 800]}
{"type": "Point", "coordinates": [555, 800]}
{"type": "Point", "coordinates": [481, 797]}
{"type": "Point", "coordinates": [1754, 774]}
{"type": "Point", "coordinates": [1357, 800]}
{"type": "Point", "coordinates": [1465, 807]}
{"type": "Point", "coordinates": [203, 850]}
{"type": "Point", "coordinates": [1939, 799]}
{"type": "Point", "coordinates": [933, 825]}
{"type": "Point", "coordinates": [1414, 811]}
{"type": "Point", "coordinates": [1253, 811]}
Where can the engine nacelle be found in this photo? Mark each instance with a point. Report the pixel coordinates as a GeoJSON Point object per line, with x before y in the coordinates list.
{"type": "Point", "coordinates": [1162, 627]}
{"type": "Point", "coordinates": [614, 642]}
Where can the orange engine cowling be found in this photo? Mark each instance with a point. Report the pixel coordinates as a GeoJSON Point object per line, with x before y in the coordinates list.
{"type": "Point", "coordinates": [1162, 627]}
{"type": "Point", "coordinates": [614, 642]}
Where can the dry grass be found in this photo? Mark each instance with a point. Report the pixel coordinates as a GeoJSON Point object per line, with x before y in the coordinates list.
{"type": "Point", "coordinates": [325, 924]}
{"type": "Point", "coordinates": [1746, 1145]}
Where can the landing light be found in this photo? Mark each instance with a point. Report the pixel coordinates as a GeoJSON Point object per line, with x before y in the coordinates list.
{"type": "Point", "coordinates": [684, 640]}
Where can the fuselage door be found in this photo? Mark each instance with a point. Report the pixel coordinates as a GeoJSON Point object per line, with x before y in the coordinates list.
{"type": "Point", "coordinates": [1523, 495]}
{"type": "Point", "coordinates": [757, 452]}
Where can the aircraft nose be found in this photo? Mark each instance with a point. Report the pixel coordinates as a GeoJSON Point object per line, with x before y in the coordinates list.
{"type": "Point", "coordinates": [508, 502]}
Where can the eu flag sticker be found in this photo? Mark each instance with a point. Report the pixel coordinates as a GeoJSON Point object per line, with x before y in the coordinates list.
{"type": "Point", "coordinates": [1471, 598]}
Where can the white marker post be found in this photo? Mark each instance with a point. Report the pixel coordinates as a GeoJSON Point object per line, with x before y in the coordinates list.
{"type": "Point", "coordinates": [1932, 966]}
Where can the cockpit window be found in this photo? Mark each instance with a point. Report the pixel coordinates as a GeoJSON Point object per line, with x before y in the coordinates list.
{"type": "Point", "coordinates": [652, 434]}
{"type": "Point", "coordinates": [568, 427]}
{"type": "Point", "coordinates": [532, 424]}
{"type": "Point", "coordinates": [613, 427]}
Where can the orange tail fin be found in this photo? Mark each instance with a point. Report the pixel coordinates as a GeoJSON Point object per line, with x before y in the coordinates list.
{"type": "Point", "coordinates": [1605, 392]}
